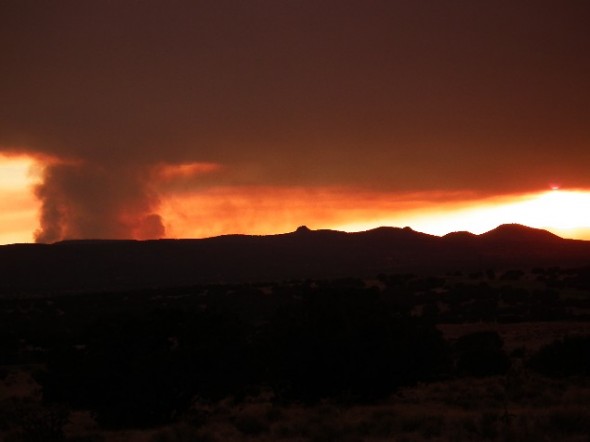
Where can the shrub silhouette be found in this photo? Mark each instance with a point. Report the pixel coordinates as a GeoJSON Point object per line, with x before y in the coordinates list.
{"type": "Point", "coordinates": [142, 372]}
{"type": "Point", "coordinates": [569, 356]}
{"type": "Point", "coordinates": [125, 375]}
{"type": "Point", "coordinates": [142, 367]}
{"type": "Point", "coordinates": [8, 347]}
{"type": "Point", "coordinates": [344, 344]}
{"type": "Point", "coordinates": [481, 354]}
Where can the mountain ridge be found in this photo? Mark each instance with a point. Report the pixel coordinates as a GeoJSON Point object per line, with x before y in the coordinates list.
{"type": "Point", "coordinates": [98, 265]}
{"type": "Point", "coordinates": [502, 231]}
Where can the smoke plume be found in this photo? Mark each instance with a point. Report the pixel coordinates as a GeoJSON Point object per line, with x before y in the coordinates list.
{"type": "Point", "coordinates": [89, 200]}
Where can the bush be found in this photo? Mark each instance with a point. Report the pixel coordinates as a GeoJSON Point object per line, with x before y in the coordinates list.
{"type": "Point", "coordinates": [566, 357]}
{"type": "Point", "coordinates": [143, 372]}
{"type": "Point", "coordinates": [481, 354]}
{"type": "Point", "coordinates": [345, 345]}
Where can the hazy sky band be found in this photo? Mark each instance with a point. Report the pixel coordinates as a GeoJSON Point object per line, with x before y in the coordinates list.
{"type": "Point", "coordinates": [487, 97]}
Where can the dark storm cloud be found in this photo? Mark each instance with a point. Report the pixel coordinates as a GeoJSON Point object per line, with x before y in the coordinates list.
{"type": "Point", "coordinates": [401, 95]}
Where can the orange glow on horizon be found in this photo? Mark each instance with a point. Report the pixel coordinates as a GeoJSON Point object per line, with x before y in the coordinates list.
{"type": "Point", "coordinates": [258, 210]}
{"type": "Point", "coordinates": [261, 210]}
{"type": "Point", "coordinates": [565, 213]}
{"type": "Point", "coordinates": [18, 206]}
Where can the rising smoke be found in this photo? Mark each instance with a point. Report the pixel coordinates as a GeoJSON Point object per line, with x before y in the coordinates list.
{"type": "Point", "coordinates": [89, 200]}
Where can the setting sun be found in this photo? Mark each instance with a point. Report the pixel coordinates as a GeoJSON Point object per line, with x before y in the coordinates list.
{"type": "Point", "coordinates": [565, 213]}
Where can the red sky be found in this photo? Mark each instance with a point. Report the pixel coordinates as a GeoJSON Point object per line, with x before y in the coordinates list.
{"type": "Point", "coordinates": [179, 118]}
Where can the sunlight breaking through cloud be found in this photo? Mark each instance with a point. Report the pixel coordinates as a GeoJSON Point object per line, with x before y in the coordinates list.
{"type": "Point", "coordinates": [564, 212]}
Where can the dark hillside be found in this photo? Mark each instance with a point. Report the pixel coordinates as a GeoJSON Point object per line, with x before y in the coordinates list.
{"type": "Point", "coordinates": [105, 265]}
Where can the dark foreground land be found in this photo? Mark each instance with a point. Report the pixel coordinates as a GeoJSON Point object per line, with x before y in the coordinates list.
{"type": "Point", "coordinates": [498, 355]}
{"type": "Point", "coordinates": [162, 341]}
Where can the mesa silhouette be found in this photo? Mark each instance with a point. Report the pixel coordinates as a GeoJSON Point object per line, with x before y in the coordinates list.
{"type": "Point", "coordinates": [97, 265]}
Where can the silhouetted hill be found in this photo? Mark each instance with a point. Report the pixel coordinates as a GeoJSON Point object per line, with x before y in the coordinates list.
{"type": "Point", "coordinates": [94, 265]}
{"type": "Point", "coordinates": [519, 233]}
{"type": "Point", "coordinates": [460, 236]}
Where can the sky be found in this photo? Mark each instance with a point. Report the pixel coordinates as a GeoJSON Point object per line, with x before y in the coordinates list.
{"type": "Point", "coordinates": [147, 119]}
